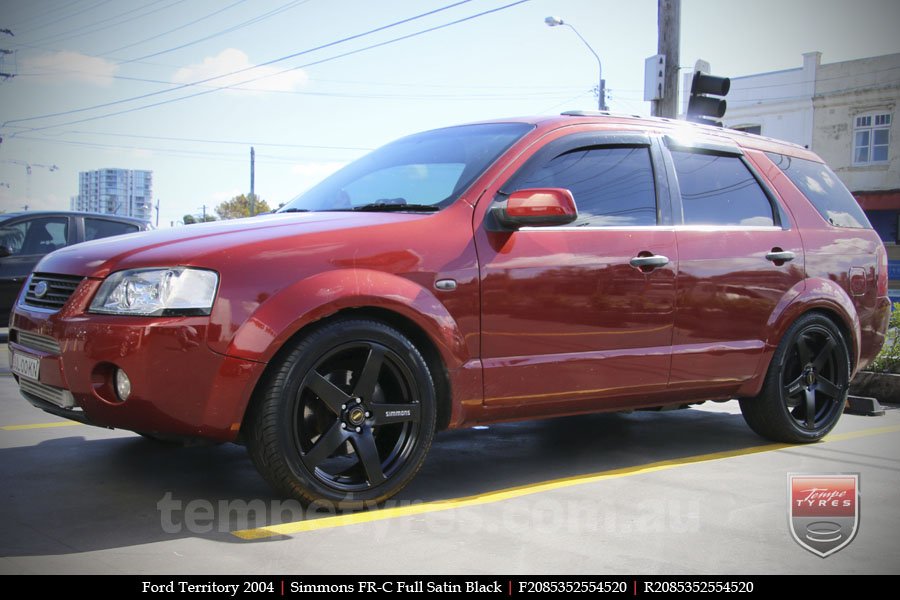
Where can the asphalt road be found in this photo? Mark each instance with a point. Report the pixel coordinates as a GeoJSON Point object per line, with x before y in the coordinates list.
{"type": "Point", "coordinates": [684, 492]}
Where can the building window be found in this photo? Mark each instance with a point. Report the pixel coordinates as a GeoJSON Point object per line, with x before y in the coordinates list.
{"type": "Point", "coordinates": [871, 135]}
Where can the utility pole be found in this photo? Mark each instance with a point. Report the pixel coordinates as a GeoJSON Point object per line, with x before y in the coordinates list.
{"type": "Point", "coordinates": [204, 213]}
{"type": "Point", "coordinates": [252, 181]}
{"type": "Point", "coordinates": [157, 213]}
{"type": "Point", "coordinates": [669, 40]}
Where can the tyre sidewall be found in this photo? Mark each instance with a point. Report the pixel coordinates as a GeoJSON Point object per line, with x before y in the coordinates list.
{"type": "Point", "coordinates": [303, 359]}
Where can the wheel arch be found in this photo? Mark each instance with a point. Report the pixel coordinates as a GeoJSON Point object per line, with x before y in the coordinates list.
{"type": "Point", "coordinates": [813, 295]}
{"type": "Point", "coordinates": [383, 297]}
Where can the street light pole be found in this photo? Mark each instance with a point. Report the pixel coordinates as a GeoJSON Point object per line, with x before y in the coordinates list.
{"type": "Point", "coordinates": [601, 87]}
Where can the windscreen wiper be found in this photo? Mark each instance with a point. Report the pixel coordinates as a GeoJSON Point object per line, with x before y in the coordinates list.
{"type": "Point", "coordinates": [384, 207]}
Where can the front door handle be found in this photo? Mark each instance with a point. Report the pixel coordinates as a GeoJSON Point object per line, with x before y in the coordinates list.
{"type": "Point", "coordinates": [649, 263]}
{"type": "Point", "coordinates": [780, 256]}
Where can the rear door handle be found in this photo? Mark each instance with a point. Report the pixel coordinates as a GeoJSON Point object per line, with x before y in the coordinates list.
{"type": "Point", "coordinates": [649, 262]}
{"type": "Point", "coordinates": [781, 256]}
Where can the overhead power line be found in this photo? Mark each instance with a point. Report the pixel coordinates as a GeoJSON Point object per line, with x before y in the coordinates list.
{"type": "Point", "coordinates": [245, 69]}
{"type": "Point", "coordinates": [316, 62]}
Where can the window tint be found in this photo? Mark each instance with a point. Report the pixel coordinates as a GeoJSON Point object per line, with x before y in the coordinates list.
{"type": "Point", "coordinates": [35, 236]}
{"type": "Point", "coordinates": [611, 186]}
{"type": "Point", "coordinates": [94, 229]}
{"type": "Point", "coordinates": [823, 188]}
{"type": "Point", "coordinates": [720, 190]}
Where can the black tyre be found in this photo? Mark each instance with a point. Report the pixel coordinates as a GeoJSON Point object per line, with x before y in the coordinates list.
{"type": "Point", "coordinates": [346, 416]}
{"type": "Point", "coordinates": [806, 386]}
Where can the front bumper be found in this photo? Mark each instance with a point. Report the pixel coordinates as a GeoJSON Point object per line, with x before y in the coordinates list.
{"type": "Point", "coordinates": [179, 386]}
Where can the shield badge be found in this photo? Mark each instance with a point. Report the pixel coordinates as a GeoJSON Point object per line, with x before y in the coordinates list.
{"type": "Point", "coordinates": [824, 511]}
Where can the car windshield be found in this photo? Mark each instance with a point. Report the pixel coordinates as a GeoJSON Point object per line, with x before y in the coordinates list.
{"type": "Point", "coordinates": [424, 172]}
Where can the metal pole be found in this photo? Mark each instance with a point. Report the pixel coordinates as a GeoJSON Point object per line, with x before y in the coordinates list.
{"type": "Point", "coordinates": [668, 42]}
{"type": "Point", "coordinates": [252, 181]}
{"type": "Point", "coordinates": [601, 84]}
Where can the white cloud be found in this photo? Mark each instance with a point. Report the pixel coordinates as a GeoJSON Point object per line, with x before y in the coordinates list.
{"type": "Point", "coordinates": [67, 66]}
{"type": "Point", "coordinates": [232, 59]}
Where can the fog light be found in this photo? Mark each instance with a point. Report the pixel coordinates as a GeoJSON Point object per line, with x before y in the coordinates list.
{"type": "Point", "coordinates": [123, 385]}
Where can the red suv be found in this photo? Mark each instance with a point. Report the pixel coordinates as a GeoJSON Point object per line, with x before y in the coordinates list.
{"type": "Point", "coordinates": [488, 272]}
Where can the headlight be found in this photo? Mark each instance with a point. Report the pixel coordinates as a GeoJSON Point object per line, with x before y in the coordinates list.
{"type": "Point", "coordinates": [176, 291]}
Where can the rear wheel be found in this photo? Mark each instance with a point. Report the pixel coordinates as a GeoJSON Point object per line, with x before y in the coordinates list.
{"type": "Point", "coordinates": [346, 416]}
{"type": "Point", "coordinates": [806, 386]}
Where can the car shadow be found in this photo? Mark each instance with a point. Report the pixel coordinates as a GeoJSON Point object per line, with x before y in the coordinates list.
{"type": "Point", "coordinates": [73, 494]}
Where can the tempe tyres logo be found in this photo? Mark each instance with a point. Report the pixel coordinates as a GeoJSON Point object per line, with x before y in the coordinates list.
{"type": "Point", "coordinates": [824, 511]}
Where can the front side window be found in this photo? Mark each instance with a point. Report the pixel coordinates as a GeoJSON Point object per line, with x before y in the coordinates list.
{"type": "Point", "coordinates": [423, 172]}
{"type": "Point", "coordinates": [612, 187]}
{"type": "Point", "coordinates": [720, 190]}
{"type": "Point", "coordinates": [871, 138]}
{"type": "Point", "coordinates": [34, 236]}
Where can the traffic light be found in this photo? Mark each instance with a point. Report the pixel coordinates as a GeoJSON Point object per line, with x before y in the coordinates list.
{"type": "Point", "coordinates": [703, 108]}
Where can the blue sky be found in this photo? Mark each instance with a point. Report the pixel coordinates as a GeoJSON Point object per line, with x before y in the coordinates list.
{"type": "Point", "coordinates": [309, 114]}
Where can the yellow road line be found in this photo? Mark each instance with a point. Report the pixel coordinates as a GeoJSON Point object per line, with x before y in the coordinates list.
{"type": "Point", "coordinates": [527, 490]}
{"type": "Point", "coordinates": [39, 425]}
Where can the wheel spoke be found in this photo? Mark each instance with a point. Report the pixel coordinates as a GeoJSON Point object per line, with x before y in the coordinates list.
{"type": "Point", "coordinates": [368, 377]}
{"type": "Point", "coordinates": [810, 409]}
{"type": "Point", "coordinates": [385, 414]}
{"type": "Point", "coordinates": [368, 456]}
{"type": "Point", "coordinates": [323, 448]}
{"type": "Point", "coordinates": [827, 387]}
{"type": "Point", "coordinates": [803, 350]}
{"type": "Point", "coordinates": [330, 394]}
{"type": "Point", "coordinates": [824, 354]}
{"type": "Point", "coordinates": [794, 386]}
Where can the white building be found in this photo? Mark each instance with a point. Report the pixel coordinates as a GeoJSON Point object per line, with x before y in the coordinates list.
{"type": "Point", "coordinates": [115, 192]}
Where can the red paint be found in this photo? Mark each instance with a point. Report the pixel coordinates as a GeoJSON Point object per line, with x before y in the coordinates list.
{"type": "Point", "coordinates": [543, 321]}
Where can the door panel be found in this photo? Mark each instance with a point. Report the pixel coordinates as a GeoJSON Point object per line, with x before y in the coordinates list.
{"type": "Point", "coordinates": [727, 292]}
{"type": "Point", "coordinates": [568, 322]}
{"type": "Point", "coordinates": [566, 317]}
{"type": "Point", "coordinates": [739, 257]}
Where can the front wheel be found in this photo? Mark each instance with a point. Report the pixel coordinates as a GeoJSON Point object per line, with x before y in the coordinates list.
{"type": "Point", "coordinates": [806, 386]}
{"type": "Point", "coordinates": [346, 416]}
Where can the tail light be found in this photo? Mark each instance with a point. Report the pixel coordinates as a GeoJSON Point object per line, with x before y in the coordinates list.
{"type": "Point", "coordinates": [881, 278]}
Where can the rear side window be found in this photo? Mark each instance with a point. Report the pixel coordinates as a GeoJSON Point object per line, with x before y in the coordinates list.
{"type": "Point", "coordinates": [823, 188]}
{"type": "Point", "coordinates": [35, 236]}
{"type": "Point", "coordinates": [94, 229]}
{"type": "Point", "coordinates": [612, 187]}
{"type": "Point", "coordinates": [720, 190]}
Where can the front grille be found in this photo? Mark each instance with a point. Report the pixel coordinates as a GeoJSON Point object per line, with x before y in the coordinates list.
{"type": "Point", "coordinates": [58, 290]}
{"type": "Point", "coordinates": [36, 342]}
{"type": "Point", "coordinates": [58, 396]}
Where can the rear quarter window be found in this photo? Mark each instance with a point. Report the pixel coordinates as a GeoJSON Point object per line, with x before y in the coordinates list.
{"type": "Point", "coordinates": [94, 229]}
{"type": "Point", "coordinates": [823, 188]}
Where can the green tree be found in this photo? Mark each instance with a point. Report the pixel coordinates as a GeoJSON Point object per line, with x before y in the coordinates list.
{"type": "Point", "coordinates": [191, 219]}
{"type": "Point", "coordinates": [239, 207]}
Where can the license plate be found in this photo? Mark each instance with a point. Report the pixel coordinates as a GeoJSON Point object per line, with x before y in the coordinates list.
{"type": "Point", "coordinates": [26, 366]}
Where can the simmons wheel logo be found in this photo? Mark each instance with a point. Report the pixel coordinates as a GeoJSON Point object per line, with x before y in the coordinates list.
{"type": "Point", "coordinates": [824, 511]}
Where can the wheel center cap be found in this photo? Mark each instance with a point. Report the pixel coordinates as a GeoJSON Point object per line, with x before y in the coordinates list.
{"type": "Point", "coordinates": [810, 377]}
{"type": "Point", "coordinates": [356, 416]}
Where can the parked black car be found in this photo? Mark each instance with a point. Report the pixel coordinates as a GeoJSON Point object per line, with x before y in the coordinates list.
{"type": "Point", "coordinates": [25, 237]}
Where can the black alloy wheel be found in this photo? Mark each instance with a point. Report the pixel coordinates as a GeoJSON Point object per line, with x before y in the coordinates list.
{"type": "Point", "coordinates": [806, 386]}
{"type": "Point", "coordinates": [346, 417]}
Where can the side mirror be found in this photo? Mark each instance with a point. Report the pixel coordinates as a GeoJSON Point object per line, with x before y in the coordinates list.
{"type": "Point", "coordinates": [5, 251]}
{"type": "Point", "coordinates": [537, 207]}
